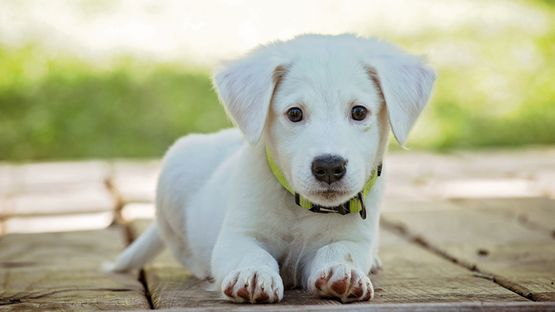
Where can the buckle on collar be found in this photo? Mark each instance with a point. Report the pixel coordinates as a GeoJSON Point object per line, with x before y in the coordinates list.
{"type": "Point", "coordinates": [363, 203]}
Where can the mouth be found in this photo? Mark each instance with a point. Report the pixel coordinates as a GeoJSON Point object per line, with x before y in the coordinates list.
{"type": "Point", "coordinates": [330, 194]}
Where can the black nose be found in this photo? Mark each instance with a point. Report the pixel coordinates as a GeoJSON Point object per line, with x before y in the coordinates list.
{"type": "Point", "coordinates": [329, 168]}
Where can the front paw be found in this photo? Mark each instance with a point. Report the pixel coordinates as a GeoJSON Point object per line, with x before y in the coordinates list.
{"type": "Point", "coordinates": [253, 285]}
{"type": "Point", "coordinates": [342, 282]}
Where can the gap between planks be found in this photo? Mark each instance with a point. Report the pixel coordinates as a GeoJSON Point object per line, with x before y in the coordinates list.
{"type": "Point", "coordinates": [63, 271]}
{"type": "Point", "coordinates": [420, 229]}
{"type": "Point", "coordinates": [420, 278]}
{"type": "Point", "coordinates": [129, 237]}
{"type": "Point", "coordinates": [419, 240]}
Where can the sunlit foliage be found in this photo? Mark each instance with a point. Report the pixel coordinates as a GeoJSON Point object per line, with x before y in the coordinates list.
{"type": "Point", "coordinates": [495, 87]}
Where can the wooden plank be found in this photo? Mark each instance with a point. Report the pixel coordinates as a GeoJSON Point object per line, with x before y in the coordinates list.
{"type": "Point", "coordinates": [521, 162]}
{"type": "Point", "coordinates": [6, 180]}
{"type": "Point", "coordinates": [53, 190]}
{"type": "Point", "coordinates": [83, 198]}
{"type": "Point", "coordinates": [518, 258]}
{"type": "Point", "coordinates": [418, 175]}
{"type": "Point", "coordinates": [84, 209]}
{"type": "Point", "coordinates": [7, 188]}
{"type": "Point", "coordinates": [535, 213]}
{"type": "Point", "coordinates": [59, 176]}
{"type": "Point", "coordinates": [389, 205]}
{"type": "Point", "coordinates": [135, 181]}
{"type": "Point", "coordinates": [408, 173]}
{"type": "Point", "coordinates": [6, 208]}
{"type": "Point", "coordinates": [385, 307]}
{"type": "Point", "coordinates": [411, 274]}
{"type": "Point", "coordinates": [482, 188]}
{"type": "Point", "coordinates": [63, 271]}
{"type": "Point", "coordinates": [546, 181]}
{"type": "Point", "coordinates": [58, 223]}
{"type": "Point", "coordinates": [135, 211]}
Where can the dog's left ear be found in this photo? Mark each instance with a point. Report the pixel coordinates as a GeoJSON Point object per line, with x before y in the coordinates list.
{"type": "Point", "coordinates": [405, 82]}
{"type": "Point", "coordinates": [245, 87]}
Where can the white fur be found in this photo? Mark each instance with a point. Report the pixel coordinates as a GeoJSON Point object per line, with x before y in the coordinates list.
{"type": "Point", "coordinates": [222, 212]}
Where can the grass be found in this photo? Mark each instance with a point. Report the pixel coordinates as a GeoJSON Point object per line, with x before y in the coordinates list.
{"type": "Point", "coordinates": [499, 90]}
{"type": "Point", "coordinates": [77, 111]}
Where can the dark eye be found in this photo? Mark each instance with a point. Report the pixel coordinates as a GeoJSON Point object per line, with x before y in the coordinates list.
{"type": "Point", "coordinates": [295, 114]}
{"type": "Point", "coordinates": [359, 113]}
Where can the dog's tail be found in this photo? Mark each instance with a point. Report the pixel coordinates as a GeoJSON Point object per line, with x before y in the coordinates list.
{"type": "Point", "coordinates": [141, 251]}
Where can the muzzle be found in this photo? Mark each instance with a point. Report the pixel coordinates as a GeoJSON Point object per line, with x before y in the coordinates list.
{"type": "Point", "coordinates": [354, 205]}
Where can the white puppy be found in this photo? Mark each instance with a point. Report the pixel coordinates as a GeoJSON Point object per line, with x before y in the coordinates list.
{"type": "Point", "coordinates": [313, 115]}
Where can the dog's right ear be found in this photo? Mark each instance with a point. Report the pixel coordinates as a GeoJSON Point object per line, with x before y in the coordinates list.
{"type": "Point", "coordinates": [245, 87]}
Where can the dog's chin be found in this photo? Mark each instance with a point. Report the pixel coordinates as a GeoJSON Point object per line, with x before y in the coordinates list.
{"type": "Point", "coordinates": [329, 198]}
{"type": "Point", "coordinates": [330, 195]}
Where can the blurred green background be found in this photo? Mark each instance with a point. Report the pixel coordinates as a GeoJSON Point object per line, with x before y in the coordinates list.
{"type": "Point", "coordinates": [497, 89]}
{"type": "Point", "coordinates": [75, 110]}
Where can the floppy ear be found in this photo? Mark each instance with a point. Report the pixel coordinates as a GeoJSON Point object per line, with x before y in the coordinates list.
{"type": "Point", "coordinates": [405, 83]}
{"type": "Point", "coordinates": [245, 87]}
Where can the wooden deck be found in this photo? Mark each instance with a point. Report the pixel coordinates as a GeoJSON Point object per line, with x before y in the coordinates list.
{"type": "Point", "coordinates": [460, 232]}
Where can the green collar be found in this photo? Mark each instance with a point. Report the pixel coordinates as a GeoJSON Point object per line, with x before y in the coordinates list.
{"type": "Point", "coordinates": [354, 205]}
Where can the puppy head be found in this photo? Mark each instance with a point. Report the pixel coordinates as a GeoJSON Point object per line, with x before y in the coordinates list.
{"type": "Point", "coordinates": [324, 105]}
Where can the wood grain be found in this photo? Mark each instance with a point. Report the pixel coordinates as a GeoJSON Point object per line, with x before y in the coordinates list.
{"type": "Point", "coordinates": [57, 223]}
{"type": "Point", "coordinates": [517, 257]}
{"type": "Point", "coordinates": [537, 213]}
{"type": "Point", "coordinates": [411, 274]}
{"type": "Point", "coordinates": [387, 307]}
{"type": "Point", "coordinates": [63, 271]}
{"type": "Point", "coordinates": [43, 177]}
{"type": "Point", "coordinates": [135, 181]}
{"type": "Point", "coordinates": [83, 198]}
{"type": "Point", "coordinates": [55, 192]}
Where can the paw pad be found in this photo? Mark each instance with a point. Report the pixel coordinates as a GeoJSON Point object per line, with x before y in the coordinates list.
{"type": "Point", "coordinates": [341, 282]}
{"type": "Point", "coordinates": [251, 285]}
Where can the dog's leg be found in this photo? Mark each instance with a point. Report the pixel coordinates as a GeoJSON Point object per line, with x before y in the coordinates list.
{"type": "Point", "coordinates": [248, 273]}
{"type": "Point", "coordinates": [376, 263]}
{"type": "Point", "coordinates": [334, 273]}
